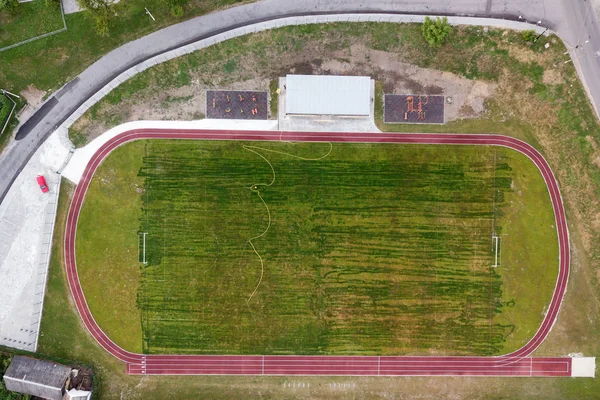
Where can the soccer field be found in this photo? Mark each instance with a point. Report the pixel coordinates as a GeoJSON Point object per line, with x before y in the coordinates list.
{"type": "Point", "coordinates": [280, 248]}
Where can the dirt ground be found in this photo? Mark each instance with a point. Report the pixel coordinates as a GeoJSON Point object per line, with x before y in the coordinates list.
{"type": "Point", "coordinates": [34, 98]}
{"type": "Point", "coordinates": [468, 96]}
{"type": "Point", "coordinates": [189, 102]}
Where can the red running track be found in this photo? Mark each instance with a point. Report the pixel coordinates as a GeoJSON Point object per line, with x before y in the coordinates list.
{"type": "Point", "coordinates": [517, 363]}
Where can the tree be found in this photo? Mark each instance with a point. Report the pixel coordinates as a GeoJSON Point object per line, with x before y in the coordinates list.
{"type": "Point", "coordinates": [100, 12]}
{"type": "Point", "coordinates": [436, 31]}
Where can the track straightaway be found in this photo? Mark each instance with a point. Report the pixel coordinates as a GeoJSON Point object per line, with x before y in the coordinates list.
{"type": "Point", "coordinates": [517, 363]}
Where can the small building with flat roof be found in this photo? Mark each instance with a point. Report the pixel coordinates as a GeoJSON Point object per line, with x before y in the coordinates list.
{"type": "Point", "coordinates": [45, 379]}
{"type": "Point", "coordinates": [328, 95]}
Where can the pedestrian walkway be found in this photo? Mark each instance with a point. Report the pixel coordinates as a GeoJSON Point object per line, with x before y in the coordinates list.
{"type": "Point", "coordinates": [26, 227]}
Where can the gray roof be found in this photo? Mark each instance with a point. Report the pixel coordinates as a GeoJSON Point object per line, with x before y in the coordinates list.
{"type": "Point", "coordinates": [36, 377]}
{"type": "Point", "coordinates": [328, 95]}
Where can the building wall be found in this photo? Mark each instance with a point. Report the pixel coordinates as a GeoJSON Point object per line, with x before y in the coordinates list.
{"type": "Point", "coordinates": [33, 389]}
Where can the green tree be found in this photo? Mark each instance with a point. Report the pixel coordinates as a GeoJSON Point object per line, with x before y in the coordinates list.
{"type": "Point", "coordinates": [100, 12]}
{"type": "Point", "coordinates": [436, 31]}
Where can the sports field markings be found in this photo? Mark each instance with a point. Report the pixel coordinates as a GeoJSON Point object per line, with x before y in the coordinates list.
{"type": "Point", "coordinates": [142, 237]}
{"type": "Point", "coordinates": [256, 189]}
{"type": "Point", "coordinates": [434, 365]}
{"type": "Point", "coordinates": [495, 243]}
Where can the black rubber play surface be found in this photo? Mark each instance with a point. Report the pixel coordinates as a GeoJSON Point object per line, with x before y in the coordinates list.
{"type": "Point", "coordinates": [234, 104]}
{"type": "Point", "coordinates": [413, 109]}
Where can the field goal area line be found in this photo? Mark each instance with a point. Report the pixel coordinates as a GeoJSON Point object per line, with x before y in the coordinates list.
{"type": "Point", "coordinates": [495, 242]}
{"type": "Point", "coordinates": [143, 236]}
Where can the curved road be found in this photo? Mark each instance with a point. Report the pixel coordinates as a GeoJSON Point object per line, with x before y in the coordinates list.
{"type": "Point", "coordinates": [517, 363]}
{"type": "Point", "coordinates": [563, 16]}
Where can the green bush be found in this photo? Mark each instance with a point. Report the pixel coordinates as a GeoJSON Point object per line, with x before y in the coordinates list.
{"type": "Point", "coordinates": [5, 108]}
{"type": "Point", "coordinates": [529, 36]}
{"type": "Point", "coordinates": [101, 22]}
{"type": "Point", "coordinates": [177, 10]}
{"type": "Point", "coordinates": [52, 3]}
{"type": "Point", "coordinates": [8, 4]}
{"type": "Point", "coordinates": [4, 362]}
{"type": "Point", "coordinates": [229, 66]}
{"type": "Point", "coordinates": [436, 31]}
{"type": "Point", "coordinates": [100, 12]}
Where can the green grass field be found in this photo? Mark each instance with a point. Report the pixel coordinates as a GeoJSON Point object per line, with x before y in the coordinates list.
{"type": "Point", "coordinates": [29, 20]}
{"type": "Point", "coordinates": [348, 249]}
{"type": "Point", "coordinates": [6, 107]}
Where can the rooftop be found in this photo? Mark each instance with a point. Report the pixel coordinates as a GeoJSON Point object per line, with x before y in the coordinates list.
{"type": "Point", "coordinates": [41, 372]}
{"type": "Point", "coordinates": [328, 95]}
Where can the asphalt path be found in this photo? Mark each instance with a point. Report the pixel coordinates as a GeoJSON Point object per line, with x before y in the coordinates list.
{"type": "Point", "coordinates": [517, 363]}
{"type": "Point", "coordinates": [563, 16]}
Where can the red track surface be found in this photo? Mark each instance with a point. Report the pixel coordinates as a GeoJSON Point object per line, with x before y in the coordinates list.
{"type": "Point", "coordinates": [517, 363]}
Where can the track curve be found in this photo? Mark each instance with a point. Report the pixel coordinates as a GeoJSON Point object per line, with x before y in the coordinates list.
{"type": "Point", "coordinates": [517, 363]}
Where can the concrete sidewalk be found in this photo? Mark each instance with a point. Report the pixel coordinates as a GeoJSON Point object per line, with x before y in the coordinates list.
{"type": "Point", "coordinates": [74, 169]}
{"type": "Point", "coordinates": [26, 227]}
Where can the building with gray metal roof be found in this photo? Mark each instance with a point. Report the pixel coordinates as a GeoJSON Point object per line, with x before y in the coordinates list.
{"type": "Point", "coordinates": [45, 379]}
{"type": "Point", "coordinates": [328, 95]}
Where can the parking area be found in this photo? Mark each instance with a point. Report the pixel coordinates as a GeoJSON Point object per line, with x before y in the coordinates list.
{"type": "Point", "coordinates": [237, 104]}
{"type": "Point", "coordinates": [413, 109]}
{"type": "Point", "coordinates": [27, 217]}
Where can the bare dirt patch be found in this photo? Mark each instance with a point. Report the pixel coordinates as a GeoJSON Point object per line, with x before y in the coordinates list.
{"type": "Point", "coordinates": [34, 98]}
{"type": "Point", "coordinates": [552, 77]}
{"type": "Point", "coordinates": [183, 103]}
{"type": "Point", "coordinates": [189, 102]}
{"type": "Point", "coordinates": [468, 96]}
{"type": "Point", "coordinates": [33, 95]}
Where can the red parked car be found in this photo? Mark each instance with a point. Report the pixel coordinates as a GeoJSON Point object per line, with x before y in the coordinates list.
{"type": "Point", "coordinates": [42, 182]}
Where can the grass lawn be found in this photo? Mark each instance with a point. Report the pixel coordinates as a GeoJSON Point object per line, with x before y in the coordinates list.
{"type": "Point", "coordinates": [29, 20]}
{"type": "Point", "coordinates": [112, 259]}
{"type": "Point", "coordinates": [375, 249]}
{"type": "Point", "coordinates": [66, 54]}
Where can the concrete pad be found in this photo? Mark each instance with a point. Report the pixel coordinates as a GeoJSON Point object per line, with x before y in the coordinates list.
{"type": "Point", "coordinates": [82, 156]}
{"type": "Point", "coordinates": [71, 6]}
{"type": "Point", "coordinates": [583, 367]}
{"type": "Point", "coordinates": [324, 123]}
{"type": "Point", "coordinates": [26, 225]}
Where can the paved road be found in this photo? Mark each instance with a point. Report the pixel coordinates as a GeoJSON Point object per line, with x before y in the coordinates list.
{"type": "Point", "coordinates": [516, 363]}
{"type": "Point", "coordinates": [581, 34]}
{"type": "Point", "coordinates": [560, 15]}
